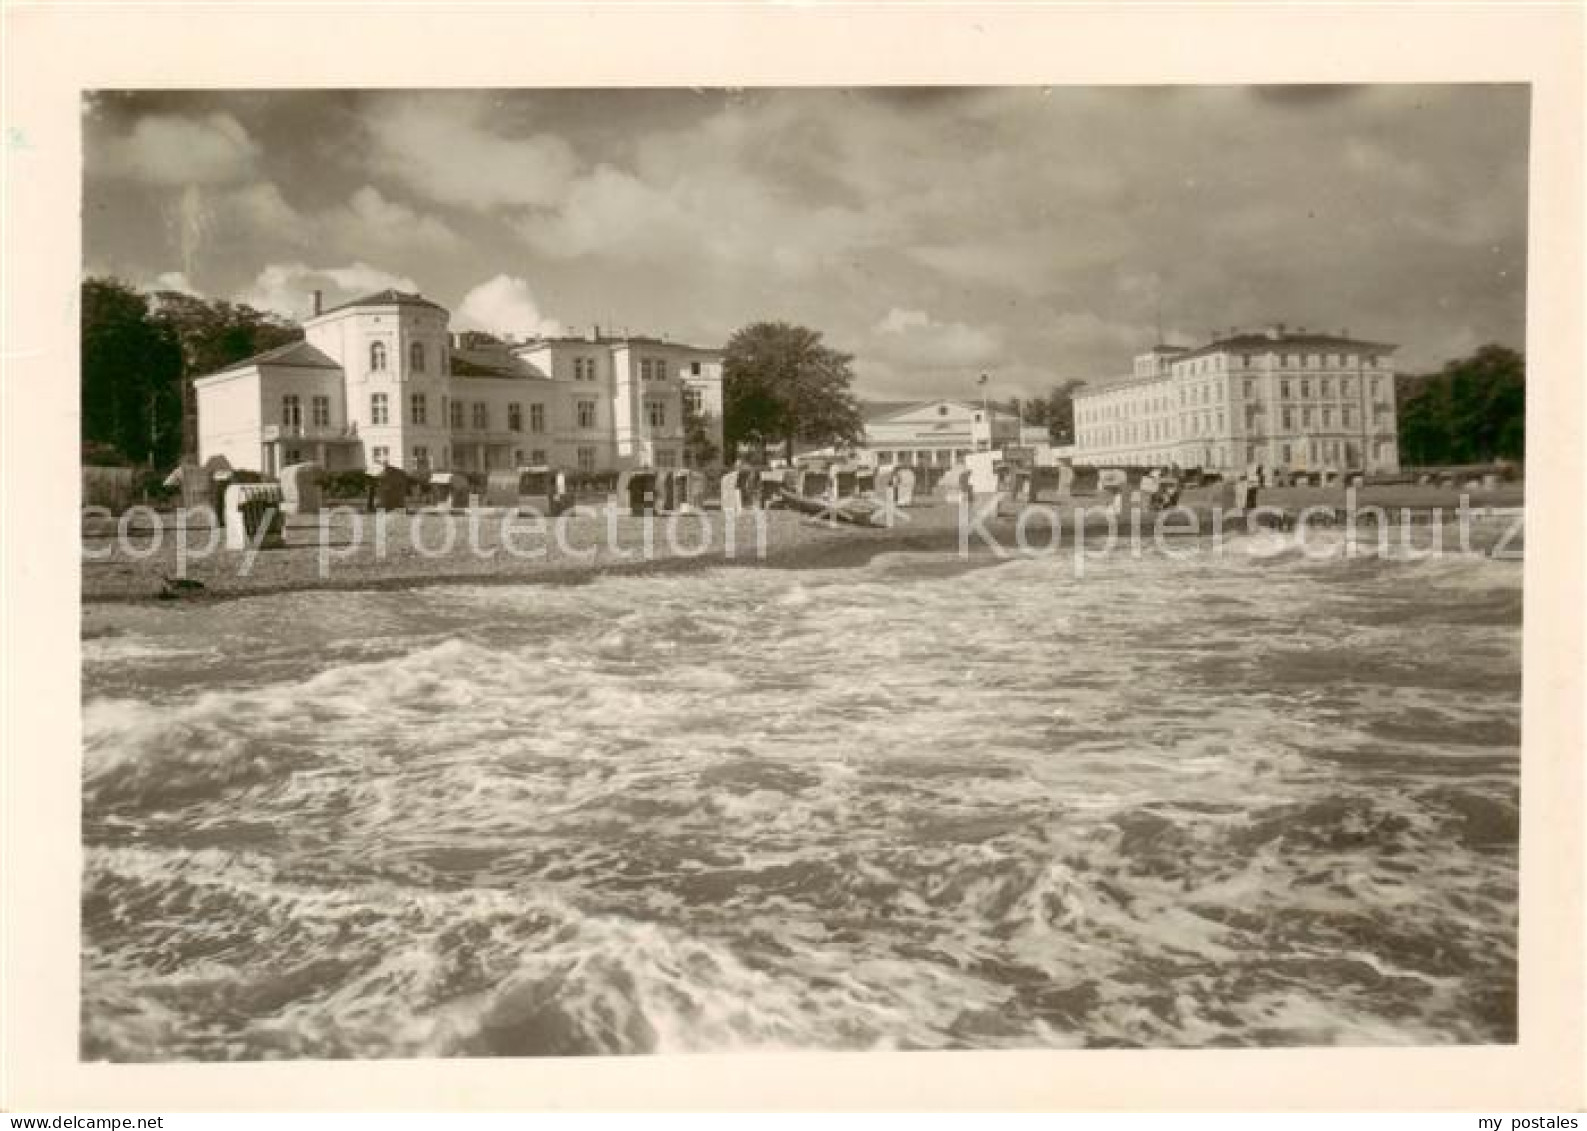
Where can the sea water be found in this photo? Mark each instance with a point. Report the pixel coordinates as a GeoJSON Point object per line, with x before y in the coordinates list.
{"type": "Point", "coordinates": [1262, 797]}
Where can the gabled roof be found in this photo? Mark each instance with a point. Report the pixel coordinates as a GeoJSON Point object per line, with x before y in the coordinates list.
{"type": "Point", "coordinates": [876, 411]}
{"type": "Point", "coordinates": [293, 355]}
{"type": "Point", "coordinates": [387, 297]}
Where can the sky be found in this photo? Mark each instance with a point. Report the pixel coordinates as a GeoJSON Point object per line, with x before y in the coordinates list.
{"type": "Point", "coordinates": [1032, 234]}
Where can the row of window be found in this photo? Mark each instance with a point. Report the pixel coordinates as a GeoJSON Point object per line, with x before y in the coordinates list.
{"type": "Point", "coordinates": [416, 356]}
{"type": "Point", "coordinates": [1323, 388]}
{"type": "Point", "coordinates": [1312, 452]}
{"type": "Point", "coordinates": [584, 457]}
{"type": "Point", "coordinates": [419, 412]}
{"type": "Point", "coordinates": [479, 419]}
{"type": "Point", "coordinates": [650, 368]}
{"type": "Point", "coordinates": [1206, 394]}
{"type": "Point", "coordinates": [1218, 361]}
{"type": "Point", "coordinates": [292, 411]}
{"type": "Point", "coordinates": [1210, 423]}
{"type": "Point", "coordinates": [1153, 431]}
{"type": "Point", "coordinates": [940, 457]}
{"type": "Point", "coordinates": [1347, 418]}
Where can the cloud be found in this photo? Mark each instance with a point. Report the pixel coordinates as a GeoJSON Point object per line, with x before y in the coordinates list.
{"type": "Point", "coordinates": [210, 227]}
{"type": "Point", "coordinates": [703, 220]}
{"type": "Point", "coordinates": [440, 147]}
{"type": "Point", "coordinates": [504, 305]}
{"type": "Point", "coordinates": [1049, 225]}
{"type": "Point", "coordinates": [174, 150]}
{"type": "Point", "coordinates": [1088, 334]}
{"type": "Point", "coordinates": [913, 337]}
{"type": "Point", "coordinates": [371, 219]}
{"type": "Point", "coordinates": [264, 206]}
{"type": "Point", "coordinates": [288, 288]}
{"type": "Point", "coordinates": [367, 221]}
{"type": "Point", "coordinates": [605, 211]}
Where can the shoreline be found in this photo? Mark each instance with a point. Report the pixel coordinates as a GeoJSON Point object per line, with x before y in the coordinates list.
{"type": "Point", "coordinates": [313, 560]}
{"type": "Point", "coordinates": [791, 541]}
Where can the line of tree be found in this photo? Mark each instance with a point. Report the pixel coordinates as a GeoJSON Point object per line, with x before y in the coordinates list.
{"type": "Point", "coordinates": [140, 353]}
{"type": "Point", "coordinates": [1473, 410]}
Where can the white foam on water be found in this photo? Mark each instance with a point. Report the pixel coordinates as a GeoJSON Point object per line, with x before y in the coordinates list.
{"type": "Point", "coordinates": [1250, 799]}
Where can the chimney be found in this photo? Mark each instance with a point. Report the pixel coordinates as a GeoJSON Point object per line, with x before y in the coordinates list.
{"type": "Point", "coordinates": [595, 333]}
{"type": "Point", "coordinates": [319, 302]}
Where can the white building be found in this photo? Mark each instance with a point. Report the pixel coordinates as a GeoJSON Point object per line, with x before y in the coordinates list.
{"type": "Point", "coordinates": [383, 379]}
{"type": "Point", "coordinates": [1280, 398]}
{"type": "Point", "coordinates": [940, 432]}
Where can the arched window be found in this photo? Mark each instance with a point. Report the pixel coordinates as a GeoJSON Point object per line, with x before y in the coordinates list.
{"type": "Point", "coordinates": [416, 357]}
{"type": "Point", "coordinates": [377, 356]}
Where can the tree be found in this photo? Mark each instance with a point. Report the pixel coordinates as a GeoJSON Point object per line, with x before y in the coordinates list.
{"type": "Point", "coordinates": [214, 335]}
{"type": "Point", "coordinates": [781, 384]}
{"type": "Point", "coordinates": [1056, 411]}
{"type": "Point", "coordinates": [130, 381]}
{"type": "Point", "coordinates": [140, 355]}
{"type": "Point", "coordinates": [1471, 411]}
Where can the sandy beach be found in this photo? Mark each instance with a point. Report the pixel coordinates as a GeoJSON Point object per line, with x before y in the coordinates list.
{"type": "Point", "coordinates": [336, 550]}
{"type": "Point", "coordinates": [342, 548]}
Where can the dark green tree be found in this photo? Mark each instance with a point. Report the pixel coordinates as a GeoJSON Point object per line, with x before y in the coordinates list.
{"type": "Point", "coordinates": [139, 357]}
{"type": "Point", "coordinates": [781, 384]}
{"type": "Point", "coordinates": [1471, 411]}
{"type": "Point", "coordinates": [130, 380]}
{"type": "Point", "coordinates": [1055, 411]}
{"type": "Point", "coordinates": [212, 336]}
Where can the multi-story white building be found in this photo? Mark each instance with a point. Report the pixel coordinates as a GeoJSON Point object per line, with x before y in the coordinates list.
{"type": "Point", "coordinates": [1281, 398]}
{"type": "Point", "coordinates": [384, 380]}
